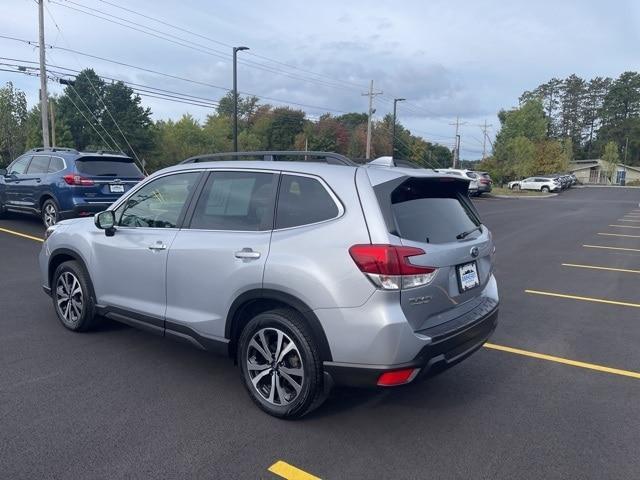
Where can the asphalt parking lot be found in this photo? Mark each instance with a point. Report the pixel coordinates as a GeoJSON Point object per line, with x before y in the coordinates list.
{"type": "Point", "coordinates": [554, 395]}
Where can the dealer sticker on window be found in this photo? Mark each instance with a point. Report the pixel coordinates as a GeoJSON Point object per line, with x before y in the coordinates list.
{"type": "Point", "coordinates": [468, 276]}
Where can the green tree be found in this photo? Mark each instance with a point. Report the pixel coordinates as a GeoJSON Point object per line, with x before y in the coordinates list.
{"type": "Point", "coordinates": [610, 159]}
{"type": "Point", "coordinates": [286, 123]}
{"type": "Point", "coordinates": [13, 119]}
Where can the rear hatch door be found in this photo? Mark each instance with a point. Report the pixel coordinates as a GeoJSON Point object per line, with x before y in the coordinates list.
{"type": "Point", "coordinates": [106, 178]}
{"type": "Point", "coordinates": [436, 215]}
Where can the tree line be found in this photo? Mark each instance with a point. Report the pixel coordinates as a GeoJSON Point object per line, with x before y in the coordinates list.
{"type": "Point", "coordinates": [92, 114]}
{"type": "Point", "coordinates": [566, 119]}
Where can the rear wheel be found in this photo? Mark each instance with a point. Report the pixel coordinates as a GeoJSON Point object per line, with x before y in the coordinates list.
{"type": "Point", "coordinates": [49, 213]}
{"type": "Point", "coordinates": [280, 365]}
{"type": "Point", "coordinates": [72, 297]}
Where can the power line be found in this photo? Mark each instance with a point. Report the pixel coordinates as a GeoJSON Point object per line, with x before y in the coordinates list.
{"type": "Point", "coordinates": [175, 77]}
{"type": "Point", "coordinates": [284, 64]}
{"type": "Point", "coordinates": [126, 140]}
{"type": "Point", "coordinates": [185, 42]}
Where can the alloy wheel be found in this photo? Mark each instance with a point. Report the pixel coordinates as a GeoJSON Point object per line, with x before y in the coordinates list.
{"type": "Point", "coordinates": [69, 298]}
{"type": "Point", "coordinates": [49, 214]}
{"type": "Point", "coordinates": [274, 365]}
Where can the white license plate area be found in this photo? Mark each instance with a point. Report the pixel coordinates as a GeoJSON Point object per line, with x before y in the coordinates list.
{"type": "Point", "coordinates": [116, 188]}
{"type": "Point", "coordinates": [468, 276]}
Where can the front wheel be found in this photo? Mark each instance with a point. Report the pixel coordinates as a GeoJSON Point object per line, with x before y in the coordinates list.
{"type": "Point", "coordinates": [545, 189]}
{"type": "Point", "coordinates": [72, 297]}
{"type": "Point", "coordinates": [49, 213]}
{"type": "Point", "coordinates": [516, 187]}
{"type": "Point", "coordinates": [280, 365]}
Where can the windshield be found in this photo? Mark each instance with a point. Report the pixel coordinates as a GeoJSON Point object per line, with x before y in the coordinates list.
{"type": "Point", "coordinates": [108, 167]}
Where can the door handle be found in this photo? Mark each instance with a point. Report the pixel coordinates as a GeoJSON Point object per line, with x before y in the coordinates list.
{"type": "Point", "coordinates": [247, 253]}
{"type": "Point", "coordinates": [159, 245]}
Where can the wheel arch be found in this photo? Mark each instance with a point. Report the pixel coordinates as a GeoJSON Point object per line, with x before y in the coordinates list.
{"type": "Point", "coordinates": [254, 302]}
{"type": "Point", "coordinates": [61, 255]}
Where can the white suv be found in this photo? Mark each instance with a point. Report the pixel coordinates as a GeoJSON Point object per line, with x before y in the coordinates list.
{"type": "Point", "coordinates": [540, 184]}
{"type": "Point", "coordinates": [466, 174]}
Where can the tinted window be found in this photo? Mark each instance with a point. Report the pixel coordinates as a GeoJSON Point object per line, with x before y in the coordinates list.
{"type": "Point", "coordinates": [108, 167]}
{"type": "Point", "coordinates": [56, 164]}
{"type": "Point", "coordinates": [159, 203]}
{"type": "Point", "coordinates": [39, 164]}
{"type": "Point", "coordinates": [241, 201]}
{"type": "Point", "coordinates": [429, 211]}
{"type": "Point", "coordinates": [19, 166]}
{"type": "Point", "coordinates": [303, 200]}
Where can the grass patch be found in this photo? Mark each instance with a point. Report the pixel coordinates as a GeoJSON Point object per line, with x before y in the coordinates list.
{"type": "Point", "coordinates": [516, 193]}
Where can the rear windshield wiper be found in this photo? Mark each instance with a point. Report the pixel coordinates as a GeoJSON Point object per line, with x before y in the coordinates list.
{"type": "Point", "coordinates": [462, 235]}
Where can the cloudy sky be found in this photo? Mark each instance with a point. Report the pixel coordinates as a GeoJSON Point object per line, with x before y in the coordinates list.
{"type": "Point", "coordinates": [448, 59]}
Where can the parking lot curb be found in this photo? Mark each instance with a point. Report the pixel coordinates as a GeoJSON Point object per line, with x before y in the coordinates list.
{"type": "Point", "coordinates": [524, 196]}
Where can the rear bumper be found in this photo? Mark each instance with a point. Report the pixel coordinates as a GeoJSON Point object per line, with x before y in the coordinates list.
{"type": "Point", "coordinates": [84, 210]}
{"type": "Point", "coordinates": [450, 345]}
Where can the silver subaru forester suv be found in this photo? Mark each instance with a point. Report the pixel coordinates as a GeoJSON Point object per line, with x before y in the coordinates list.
{"type": "Point", "coordinates": [308, 273]}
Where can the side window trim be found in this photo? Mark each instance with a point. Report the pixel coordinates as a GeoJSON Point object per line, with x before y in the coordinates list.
{"type": "Point", "coordinates": [199, 191]}
{"type": "Point", "coordinates": [332, 194]}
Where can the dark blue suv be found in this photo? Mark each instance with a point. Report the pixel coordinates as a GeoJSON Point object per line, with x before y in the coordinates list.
{"type": "Point", "coordinates": [59, 183]}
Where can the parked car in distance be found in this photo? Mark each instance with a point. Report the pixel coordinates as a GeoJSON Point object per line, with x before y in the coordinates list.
{"type": "Point", "coordinates": [541, 184]}
{"type": "Point", "coordinates": [59, 183]}
{"type": "Point", "coordinates": [485, 184]}
{"type": "Point", "coordinates": [307, 273]}
{"type": "Point", "coordinates": [472, 176]}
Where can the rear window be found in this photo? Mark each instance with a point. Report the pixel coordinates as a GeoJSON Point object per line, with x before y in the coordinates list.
{"type": "Point", "coordinates": [428, 210]}
{"type": "Point", "coordinates": [108, 167]}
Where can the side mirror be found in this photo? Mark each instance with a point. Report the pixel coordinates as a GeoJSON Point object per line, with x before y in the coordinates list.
{"type": "Point", "coordinates": [106, 221]}
{"type": "Point", "coordinates": [3, 172]}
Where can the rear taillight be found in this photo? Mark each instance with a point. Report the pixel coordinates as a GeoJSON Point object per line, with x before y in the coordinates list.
{"type": "Point", "coordinates": [78, 180]}
{"type": "Point", "coordinates": [389, 268]}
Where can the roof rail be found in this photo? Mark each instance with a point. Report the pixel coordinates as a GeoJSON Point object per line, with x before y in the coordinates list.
{"type": "Point", "coordinates": [323, 157]}
{"type": "Point", "coordinates": [53, 149]}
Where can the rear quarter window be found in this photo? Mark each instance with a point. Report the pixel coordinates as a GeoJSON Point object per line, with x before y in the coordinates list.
{"type": "Point", "coordinates": [303, 201]}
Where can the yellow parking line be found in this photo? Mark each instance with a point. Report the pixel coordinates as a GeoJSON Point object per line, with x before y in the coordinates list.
{"type": "Point", "coordinates": [284, 470]}
{"type": "Point", "coordinates": [23, 235]}
{"type": "Point", "coordinates": [585, 299]}
{"type": "Point", "coordinates": [575, 265]}
{"type": "Point", "coordinates": [566, 361]}
{"type": "Point", "coordinates": [624, 226]}
{"type": "Point", "coordinates": [612, 248]}
{"type": "Point", "coordinates": [619, 235]}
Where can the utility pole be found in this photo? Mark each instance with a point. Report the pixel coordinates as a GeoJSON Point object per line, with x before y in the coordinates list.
{"type": "Point", "coordinates": [393, 137]}
{"type": "Point", "coordinates": [456, 151]}
{"type": "Point", "coordinates": [626, 148]}
{"type": "Point", "coordinates": [485, 135]}
{"type": "Point", "coordinates": [44, 99]}
{"type": "Point", "coordinates": [52, 114]}
{"type": "Point", "coordinates": [370, 94]}
{"type": "Point", "coordinates": [235, 95]}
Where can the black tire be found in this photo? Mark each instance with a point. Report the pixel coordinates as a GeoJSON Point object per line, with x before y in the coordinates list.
{"type": "Point", "coordinates": [3, 209]}
{"type": "Point", "coordinates": [50, 213]}
{"type": "Point", "coordinates": [77, 319]}
{"type": "Point", "coordinates": [545, 189]}
{"type": "Point", "coordinates": [516, 186]}
{"type": "Point", "coordinates": [305, 359]}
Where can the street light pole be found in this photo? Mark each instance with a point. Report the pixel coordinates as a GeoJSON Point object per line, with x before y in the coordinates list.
{"type": "Point", "coordinates": [393, 138]}
{"type": "Point", "coordinates": [235, 95]}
